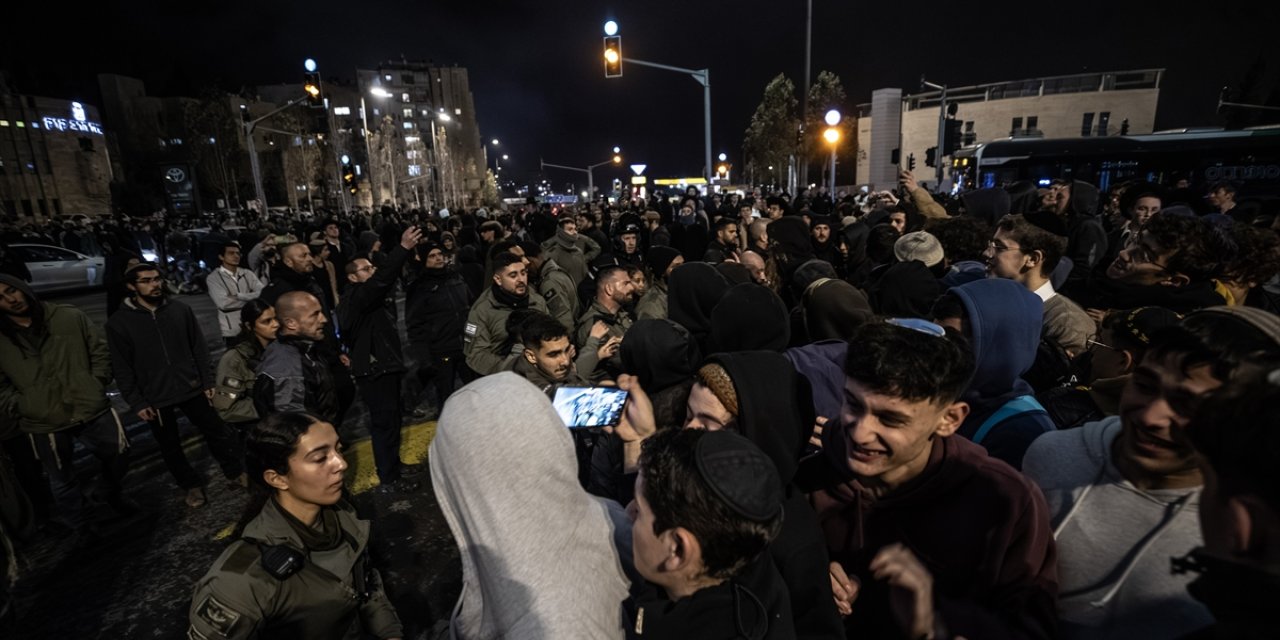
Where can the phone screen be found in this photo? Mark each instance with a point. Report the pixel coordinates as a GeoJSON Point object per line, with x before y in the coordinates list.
{"type": "Point", "coordinates": [589, 407]}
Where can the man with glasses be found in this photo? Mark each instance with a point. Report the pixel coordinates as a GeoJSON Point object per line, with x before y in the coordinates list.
{"type": "Point", "coordinates": [1105, 367]}
{"type": "Point", "coordinates": [929, 537]}
{"type": "Point", "coordinates": [229, 288]}
{"type": "Point", "coordinates": [161, 364]}
{"type": "Point", "coordinates": [1172, 262]}
{"type": "Point", "coordinates": [367, 320]}
{"type": "Point", "coordinates": [1027, 253]}
{"type": "Point", "coordinates": [1134, 480]}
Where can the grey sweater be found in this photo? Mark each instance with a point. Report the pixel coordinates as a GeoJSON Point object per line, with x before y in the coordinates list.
{"type": "Point", "coordinates": [1068, 325]}
{"type": "Point", "coordinates": [1114, 540]}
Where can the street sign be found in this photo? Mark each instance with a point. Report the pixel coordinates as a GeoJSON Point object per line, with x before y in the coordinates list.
{"type": "Point", "coordinates": [639, 180]}
{"type": "Point", "coordinates": [639, 168]}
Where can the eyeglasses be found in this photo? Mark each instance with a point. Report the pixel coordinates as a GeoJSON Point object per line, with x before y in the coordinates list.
{"type": "Point", "coordinates": [999, 248]}
{"type": "Point", "coordinates": [1140, 253]}
{"type": "Point", "coordinates": [1095, 343]}
{"type": "Point", "coordinates": [366, 268]}
{"type": "Point", "coordinates": [916, 324]}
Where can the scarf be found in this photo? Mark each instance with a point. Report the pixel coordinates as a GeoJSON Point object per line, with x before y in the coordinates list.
{"type": "Point", "coordinates": [510, 299]}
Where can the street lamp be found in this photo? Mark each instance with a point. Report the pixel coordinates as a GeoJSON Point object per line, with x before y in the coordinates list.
{"type": "Point", "coordinates": [377, 92]}
{"type": "Point", "coordinates": [611, 28]}
{"type": "Point", "coordinates": [832, 135]}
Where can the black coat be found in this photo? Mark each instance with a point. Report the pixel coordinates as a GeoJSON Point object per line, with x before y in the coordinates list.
{"type": "Point", "coordinates": [436, 307]}
{"type": "Point", "coordinates": [159, 359]}
{"type": "Point", "coordinates": [367, 319]}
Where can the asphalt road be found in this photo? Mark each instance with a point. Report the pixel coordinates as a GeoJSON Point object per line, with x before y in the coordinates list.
{"type": "Point", "coordinates": [134, 579]}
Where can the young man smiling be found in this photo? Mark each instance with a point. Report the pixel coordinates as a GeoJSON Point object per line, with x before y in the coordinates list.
{"type": "Point", "coordinates": [1134, 480]}
{"type": "Point", "coordinates": [929, 537]}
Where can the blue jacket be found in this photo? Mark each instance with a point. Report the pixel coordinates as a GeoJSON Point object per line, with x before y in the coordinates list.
{"type": "Point", "coordinates": [1005, 321]}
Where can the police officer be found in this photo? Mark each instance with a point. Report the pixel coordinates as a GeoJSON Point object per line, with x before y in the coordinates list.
{"type": "Point", "coordinates": [484, 338]}
{"type": "Point", "coordinates": [300, 568]}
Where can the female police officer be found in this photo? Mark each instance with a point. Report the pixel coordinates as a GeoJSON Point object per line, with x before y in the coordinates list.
{"type": "Point", "coordinates": [300, 569]}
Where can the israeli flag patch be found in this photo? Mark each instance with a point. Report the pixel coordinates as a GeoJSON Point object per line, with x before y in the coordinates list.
{"type": "Point", "coordinates": [471, 329]}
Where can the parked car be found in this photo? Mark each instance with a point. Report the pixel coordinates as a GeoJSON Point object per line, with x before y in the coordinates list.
{"type": "Point", "coordinates": [57, 269]}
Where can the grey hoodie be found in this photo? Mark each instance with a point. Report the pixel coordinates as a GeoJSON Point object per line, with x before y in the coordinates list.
{"type": "Point", "coordinates": [540, 556]}
{"type": "Point", "coordinates": [1114, 540]}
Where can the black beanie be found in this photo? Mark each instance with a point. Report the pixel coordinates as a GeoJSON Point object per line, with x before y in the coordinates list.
{"type": "Point", "coordinates": [659, 258]}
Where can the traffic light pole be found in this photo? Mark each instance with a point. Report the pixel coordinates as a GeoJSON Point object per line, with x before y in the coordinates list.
{"type": "Point", "coordinates": [703, 76]}
{"type": "Point", "coordinates": [253, 150]}
{"type": "Point", "coordinates": [591, 185]}
{"type": "Point", "coordinates": [942, 127]}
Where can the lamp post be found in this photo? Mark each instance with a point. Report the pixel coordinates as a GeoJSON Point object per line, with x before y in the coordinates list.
{"type": "Point", "coordinates": [832, 136]}
{"type": "Point", "coordinates": [591, 188]}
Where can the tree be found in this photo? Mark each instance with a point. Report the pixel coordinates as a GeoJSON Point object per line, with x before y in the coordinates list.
{"type": "Point", "coordinates": [771, 138]}
{"type": "Point", "coordinates": [215, 145]}
{"type": "Point", "coordinates": [825, 94]}
{"type": "Point", "coordinates": [490, 197]}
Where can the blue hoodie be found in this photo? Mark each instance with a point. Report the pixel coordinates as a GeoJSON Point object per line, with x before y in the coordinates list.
{"type": "Point", "coordinates": [1005, 320]}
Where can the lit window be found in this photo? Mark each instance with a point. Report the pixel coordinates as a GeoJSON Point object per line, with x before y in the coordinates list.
{"type": "Point", "coordinates": [415, 170]}
{"type": "Point", "coordinates": [404, 97]}
{"type": "Point", "coordinates": [426, 113]}
{"type": "Point", "coordinates": [377, 112]}
{"type": "Point", "coordinates": [35, 125]}
{"type": "Point", "coordinates": [411, 154]}
{"type": "Point", "coordinates": [20, 124]}
{"type": "Point", "coordinates": [297, 141]}
{"type": "Point", "coordinates": [387, 77]}
{"type": "Point", "coordinates": [311, 142]}
{"type": "Point", "coordinates": [410, 139]}
{"type": "Point", "coordinates": [408, 125]}
{"type": "Point", "coordinates": [408, 112]}
{"type": "Point", "coordinates": [457, 112]}
{"type": "Point", "coordinates": [342, 111]}
{"type": "Point", "coordinates": [4, 123]}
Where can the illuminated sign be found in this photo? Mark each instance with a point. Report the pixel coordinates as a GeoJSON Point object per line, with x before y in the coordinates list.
{"type": "Point", "coordinates": [639, 180]}
{"type": "Point", "coordinates": [77, 122]}
{"type": "Point", "coordinates": [679, 181]}
{"type": "Point", "coordinates": [639, 168]}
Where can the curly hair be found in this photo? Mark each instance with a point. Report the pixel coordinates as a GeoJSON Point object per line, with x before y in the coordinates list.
{"type": "Point", "coordinates": [909, 364]}
{"type": "Point", "coordinates": [1198, 249]}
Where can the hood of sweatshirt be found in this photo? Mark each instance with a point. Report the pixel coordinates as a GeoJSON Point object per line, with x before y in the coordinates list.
{"type": "Point", "coordinates": [833, 309]}
{"type": "Point", "coordinates": [773, 403]}
{"type": "Point", "coordinates": [693, 291]}
{"type": "Point", "coordinates": [531, 551]}
{"type": "Point", "coordinates": [660, 352]}
{"type": "Point", "coordinates": [1005, 321]}
{"type": "Point", "coordinates": [1084, 199]}
{"type": "Point", "coordinates": [749, 317]}
{"type": "Point", "coordinates": [988, 205]}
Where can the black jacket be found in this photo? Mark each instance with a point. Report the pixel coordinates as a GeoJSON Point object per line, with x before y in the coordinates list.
{"type": "Point", "coordinates": [159, 358]}
{"type": "Point", "coordinates": [367, 319]}
{"type": "Point", "coordinates": [285, 280]}
{"type": "Point", "coordinates": [436, 306]}
{"type": "Point", "coordinates": [754, 606]}
{"type": "Point", "coordinates": [292, 377]}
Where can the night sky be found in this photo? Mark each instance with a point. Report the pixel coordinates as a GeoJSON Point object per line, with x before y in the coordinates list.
{"type": "Point", "coordinates": [536, 68]}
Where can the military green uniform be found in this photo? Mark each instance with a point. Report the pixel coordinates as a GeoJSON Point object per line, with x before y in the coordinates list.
{"type": "Point", "coordinates": [239, 599]}
{"type": "Point", "coordinates": [557, 288]}
{"type": "Point", "coordinates": [618, 324]}
{"type": "Point", "coordinates": [653, 304]}
{"type": "Point", "coordinates": [572, 253]}
{"type": "Point", "coordinates": [485, 334]}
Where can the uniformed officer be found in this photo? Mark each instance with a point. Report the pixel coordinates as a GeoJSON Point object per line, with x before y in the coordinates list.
{"type": "Point", "coordinates": [301, 567]}
{"type": "Point", "coordinates": [614, 290]}
{"type": "Point", "coordinates": [485, 337]}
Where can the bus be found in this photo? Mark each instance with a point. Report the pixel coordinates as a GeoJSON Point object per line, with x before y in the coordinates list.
{"type": "Point", "coordinates": [1188, 158]}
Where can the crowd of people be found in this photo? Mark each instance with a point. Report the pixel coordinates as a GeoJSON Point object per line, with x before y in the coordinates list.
{"type": "Point", "coordinates": [1024, 412]}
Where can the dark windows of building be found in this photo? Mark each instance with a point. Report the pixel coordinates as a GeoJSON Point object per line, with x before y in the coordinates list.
{"type": "Point", "coordinates": [26, 209]}
{"type": "Point", "coordinates": [11, 207]}
{"type": "Point", "coordinates": [1104, 119]}
{"type": "Point", "coordinates": [86, 145]}
{"type": "Point", "coordinates": [1032, 123]}
{"type": "Point", "coordinates": [57, 206]}
{"type": "Point", "coordinates": [1086, 125]}
{"type": "Point", "coordinates": [44, 208]}
{"type": "Point", "coordinates": [406, 78]}
{"type": "Point", "coordinates": [1017, 127]}
{"type": "Point", "coordinates": [969, 137]}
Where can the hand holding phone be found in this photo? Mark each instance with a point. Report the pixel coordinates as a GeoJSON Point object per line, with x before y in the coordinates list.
{"type": "Point", "coordinates": [589, 407]}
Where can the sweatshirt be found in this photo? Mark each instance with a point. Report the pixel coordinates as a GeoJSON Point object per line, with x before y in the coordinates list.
{"type": "Point", "coordinates": [159, 357]}
{"type": "Point", "coordinates": [540, 556]}
{"type": "Point", "coordinates": [1115, 540]}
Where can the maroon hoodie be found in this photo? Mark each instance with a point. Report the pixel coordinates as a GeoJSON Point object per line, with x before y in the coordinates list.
{"type": "Point", "coordinates": [981, 528]}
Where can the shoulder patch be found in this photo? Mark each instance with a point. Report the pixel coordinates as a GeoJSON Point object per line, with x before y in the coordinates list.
{"type": "Point", "coordinates": [217, 615]}
{"type": "Point", "coordinates": [471, 329]}
{"type": "Point", "coordinates": [192, 634]}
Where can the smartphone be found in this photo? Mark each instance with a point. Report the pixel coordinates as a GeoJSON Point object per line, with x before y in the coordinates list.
{"type": "Point", "coordinates": [589, 407]}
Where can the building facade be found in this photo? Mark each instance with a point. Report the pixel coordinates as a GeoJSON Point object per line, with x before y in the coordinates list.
{"type": "Point", "coordinates": [53, 158]}
{"type": "Point", "coordinates": [423, 136]}
{"type": "Point", "coordinates": [1082, 105]}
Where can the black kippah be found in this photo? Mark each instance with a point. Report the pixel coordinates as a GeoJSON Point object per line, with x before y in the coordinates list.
{"type": "Point", "coordinates": [742, 475]}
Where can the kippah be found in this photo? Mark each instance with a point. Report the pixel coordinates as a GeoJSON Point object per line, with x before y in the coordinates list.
{"type": "Point", "coordinates": [740, 474]}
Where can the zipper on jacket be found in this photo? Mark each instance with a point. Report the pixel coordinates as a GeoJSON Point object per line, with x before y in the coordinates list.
{"type": "Point", "coordinates": [163, 347]}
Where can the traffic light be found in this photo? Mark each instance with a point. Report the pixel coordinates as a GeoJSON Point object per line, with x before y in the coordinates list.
{"type": "Point", "coordinates": [911, 162]}
{"type": "Point", "coordinates": [951, 141]}
{"type": "Point", "coordinates": [617, 158]}
{"type": "Point", "coordinates": [931, 157]}
{"type": "Point", "coordinates": [311, 85]}
{"type": "Point", "coordinates": [613, 56]}
{"type": "Point", "coordinates": [1124, 127]}
{"type": "Point", "coordinates": [348, 174]}
{"type": "Point", "coordinates": [895, 156]}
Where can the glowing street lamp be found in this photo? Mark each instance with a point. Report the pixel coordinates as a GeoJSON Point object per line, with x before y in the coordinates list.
{"type": "Point", "coordinates": [832, 136]}
{"type": "Point", "coordinates": [611, 28]}
{"type": "Point", "coordinates": [832, 118]}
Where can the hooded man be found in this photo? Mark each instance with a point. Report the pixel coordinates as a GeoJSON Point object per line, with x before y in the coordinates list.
{"type": "Point", "coordinates": [1134, 480]}
{"type": "Point", "coordinates": [571, 250]}
{"type": "Point", "coordinates": [485, 334]}
{"type": "Point", "coordinates": [695, 290]}
{"type": "Point", "coordinates": [54, 369]}
{"type": "Point", "coordinates": [1076, 202]}
{"type": "Point", "coordinates": [1001, 320]}
{"type": "Point", "coordinates": [161, 364]}
{"type": "Point", "coordinates": [749, 318]}
{"type": "Point", "coordinates": [542, 530]}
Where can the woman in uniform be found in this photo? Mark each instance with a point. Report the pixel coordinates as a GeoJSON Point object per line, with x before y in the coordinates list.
{"type": "Point", "coordinates": [300, 567]}
{"type": "Point", "coordinates": [233, 390]}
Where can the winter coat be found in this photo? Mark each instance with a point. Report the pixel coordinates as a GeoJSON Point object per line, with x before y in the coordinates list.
{"type": "Point", "coordinates": [160, 358]}
{"type": "Point", "coordinates": [292, 377]}
{"type": "Point", "coordinates": [436, 304]}
{"type": "Point", "coordinates": [367, 319]}
{"type": "Point", "coordinates": [233, 394]}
